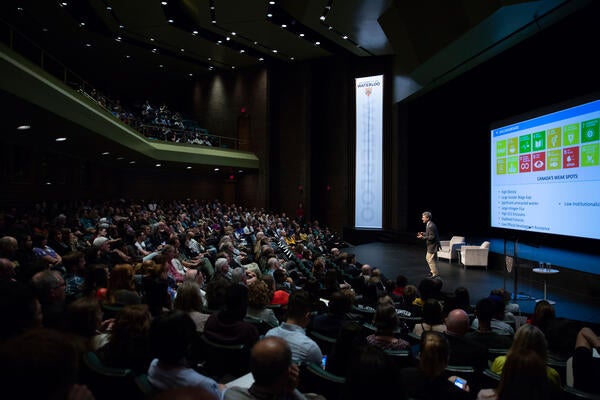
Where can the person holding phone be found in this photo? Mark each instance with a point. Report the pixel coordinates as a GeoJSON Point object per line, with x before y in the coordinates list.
{"type": "Point", "coordinates": [429, 380]}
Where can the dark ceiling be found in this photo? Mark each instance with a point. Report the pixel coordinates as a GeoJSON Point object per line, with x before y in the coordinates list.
{"type": "Point", "coordinates": [145, 41]}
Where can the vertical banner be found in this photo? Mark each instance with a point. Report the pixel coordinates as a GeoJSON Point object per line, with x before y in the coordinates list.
{"type": "Point", "coordinates": [369, 152]}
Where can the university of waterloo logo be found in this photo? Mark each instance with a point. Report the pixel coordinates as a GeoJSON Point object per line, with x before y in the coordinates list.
{"type": "Point", "coordinates": [368, 90]}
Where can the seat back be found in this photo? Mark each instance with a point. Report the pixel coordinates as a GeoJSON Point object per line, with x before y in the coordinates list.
{"type": "Point", "coordinates": [221, 362]}
{"type": "Point", "coordinates": [260, 324]}
{"type": "Point", "coordinates": [107, 383]}
{"type": "Point", "coordinates": [314, 379]}
{"type": "Point", "coordinates": [324, 342]}
{"type": "Point", "coordinates": [402, 358]}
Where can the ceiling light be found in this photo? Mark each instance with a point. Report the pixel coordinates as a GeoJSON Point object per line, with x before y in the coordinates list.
{"type": "Point", "coordinates": [120, 158]}
{"type": "Point", "coordinates": [269, 15]}
{"type": "Point", "coordinates": [240, 171]}
{"type": "Point", "coordinates": [331, 28]}
{"type": "Point", "coordinates": [20, 9]}
{"type": "Point", "coordinates": [322, 18]}
{"type": "Point", "coordinates": [219, 41]}
{"type": "Point", "coordinates": [121, 26]}
{"type": "Point", "coordinates": [109, 8]}
{"type": "Point", "coordinates": [233, 33]}
{"type": "Point", "coordinates": [190, 74]}
{"type": "Point", "coordinates": [188, 167]}
{"type": "Point", "coordinates": [216, 169]}
{"type": "Point", "coordinates": [118, 38]}
{"type": "Point", "coordinates": [23, 127]}
{"type": "Point", "coordinates": [170, 21]}
{"type": "Point", "coordinates": [160, 66]}
{"type": "Point", "coordinates": [44, 29]}
{"type": "Point", "coordinates": [233, 67]}
{"type": "Point", "coordinates": [155, 50]}
{"type": "Point", "coordinates": [283, 26]}
{"type": "Point", "coordinates": [317, 43]}
{"type": "Point", "coordinates": [152, 39]}
{"type": "Point", "coordinates": [242, 51]}
{"type": "Point", "coordinates": [127, 56]}
{"type": "Point", "coordinates": [271, 2]}
{"type": "Point", "coordinates": [255, 43]}
{"type": "Point", "coordinates": [194, 32]}
{"type": "Point", "coordinates": [131, 162]}
{"type": "Point", "coordinates": [344, 37]}
{"type": "Point", "coordinates": [228, 38]}
{"type": "Point", "coordinates": [48, 183]}
{"type": "Point", "coordinates": [261, 59]}
{"type": "Point", "coordinates": [82, 24]}
{"type": "Point", "coordinates": [164, 3]}
{"type": "Point", "coordinates": [64, 4]}
{"type": "Point", "coordinates": [158, 165]}
{"type": "Point", "coordinates": [274, 50]}
{"type": "Point", "coordinates": [214, 21]}
{"type": "Point", "coordinates": [105, 153]}
{"type": "Point", "coordinates": [88, 45]}
{"type": "Point", "coordinates": [301, 35]}
{"type": "Point", "coordinates": [209, 58]}
{"type": "Point", "coordinates": [212, 7]}
{"type": "Point", "coordinates": [61, 139]}
{"type": "Point", "coordinates": [211, 68]}
{"type": "Point", "coordinates": [182, 50]}
{"type": "Point", "coordinates": [292, 58]}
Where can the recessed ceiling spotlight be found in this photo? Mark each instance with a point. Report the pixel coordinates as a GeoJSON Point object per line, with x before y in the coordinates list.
{"type": "Point", "coordinates": [170, 21]}
{"type": "Point", "coordinates": [88, 45]}
{"type": "Point", "coordinates": [44, 29]}
{"type": "Point", "coordinates": [160, 66]}
{"type": "Point", "coordinates": [20, 9]}
{"type": "Point", "coordinates": [118, 38]}
{"type": "Point", "coordinates": [214, 21]}
{"type": "Point", "coordinates": [211, 68]}
{"type": "Point", "coordinates": [121, 26]}
{"type": "Point", "coordinates": [120, 158]}
{"type": "Point", "coordinates": [105, 153]}
{"type": "Point", "coordinates": [283, 26]}
{"type": "Point", "coordinates": [317, 43]}
{"type": "Point", "coordinates": [233, 67]}
{"type": "Point", "coordinates": [82, 24]}
{"type": "Point", "coordinates": [188, 167]}
{"type": "Point", "coordinates": [242, 51]}
{"type": "Point", "coordinates": [131, 162]}
{"type": "Point", "coordinates": [216, 169]}
{"type": "Point", "coordinates": [322, 18]}
{"type": "Point", "coordinates": [155, 50]}
{"type": "Point", "coordinates": [108, 8]}
{"type": "Point", "coordinates": [274, 50]}
{"type": "Point", "coordinates": [301, 35]}
{"type": "Point", "coordinates": [212, 7]}
{"type": "Point", "coordinates": [261, 59]}
{"type": "Point", "coordinates": [164, 3]}
{"type": "Point", "coordinates": [271, 2]}
{"type": "Point", "coordinates": [228, 38]}
{"type": "Point", "coordinates": [158, 165]}
{"type": "Point", "coordinates": [190, 74]}
{"type": "Point", "coordinates": [240, 171]}
{"type": "Point", "coordinates": [344, 37]}
{"type": "Point", "coordinates": [331, 28]}
{"type": "Point", "coordinates": [255, 43]}
{"type": "Point", "coordinates": [194, 32]}
{"type": "Point", "coordinates": [127, 56]}
{"type": "Point", "coordinates": [219, 41]}
{"type": "Point", "coordinates": [48, 183]}
{"type": "Point", "coordinates": [61, 139]}
{"type": "Point", "coordinates": [269, 15]}
{"type": "Point", "coordinates": [64, 4]}
{"type": "Point", "coordinates": [23, 127]}
{"type": "Point", "coordinates": [209, 58]}
{"type": "Point", "coordinates": [292, 58]}
{"type": "Point", "coordinates": [152, 39]}
{"type": "Point", "coordinates": [182, 50]}
{"type": "Point", "coordinates": [233, 33]}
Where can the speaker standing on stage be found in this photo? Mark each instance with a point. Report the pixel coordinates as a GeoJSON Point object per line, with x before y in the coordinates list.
{"type": "Point", "coordinates": [432, 238]}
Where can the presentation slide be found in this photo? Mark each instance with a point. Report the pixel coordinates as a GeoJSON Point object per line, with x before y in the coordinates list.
{"type": "Point", "coordinates": [545, 172]}
{"type": "Point", "coordinates": [369, 152]}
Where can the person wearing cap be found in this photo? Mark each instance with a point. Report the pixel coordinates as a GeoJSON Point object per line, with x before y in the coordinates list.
{"type": "Point", "coordinates": [100, 253]}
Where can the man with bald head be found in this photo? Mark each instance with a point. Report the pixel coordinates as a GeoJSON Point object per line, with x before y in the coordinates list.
{"type": "Point", "coordinates": [463, 351]}
{"type": "Point", "coordinates": [275, 377]}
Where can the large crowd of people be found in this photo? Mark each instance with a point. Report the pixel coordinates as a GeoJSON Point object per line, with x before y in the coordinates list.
{"type": "Point", "coordinates": [137, 282]}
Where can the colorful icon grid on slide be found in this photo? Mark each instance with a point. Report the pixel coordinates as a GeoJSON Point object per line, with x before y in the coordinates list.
{"type": "Point", "coordinates": [569, 146]}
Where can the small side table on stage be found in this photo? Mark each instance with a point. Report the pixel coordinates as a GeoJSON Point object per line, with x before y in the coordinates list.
{"type": "Point", "coordinates": [545, 272]}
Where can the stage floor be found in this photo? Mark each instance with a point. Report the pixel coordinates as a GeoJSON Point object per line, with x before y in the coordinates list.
{"type": "Point", "coordinates": [409, 259]}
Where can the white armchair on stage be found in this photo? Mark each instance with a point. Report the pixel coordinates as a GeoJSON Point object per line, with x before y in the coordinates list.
{"type": "Point", "coordinates": [475, 256]}
{"type": "Point", "coordinates": [450, 248]}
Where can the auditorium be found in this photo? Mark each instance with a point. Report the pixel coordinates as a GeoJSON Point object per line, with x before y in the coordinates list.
{"type": "Point", "coordinates": [154, 151]}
